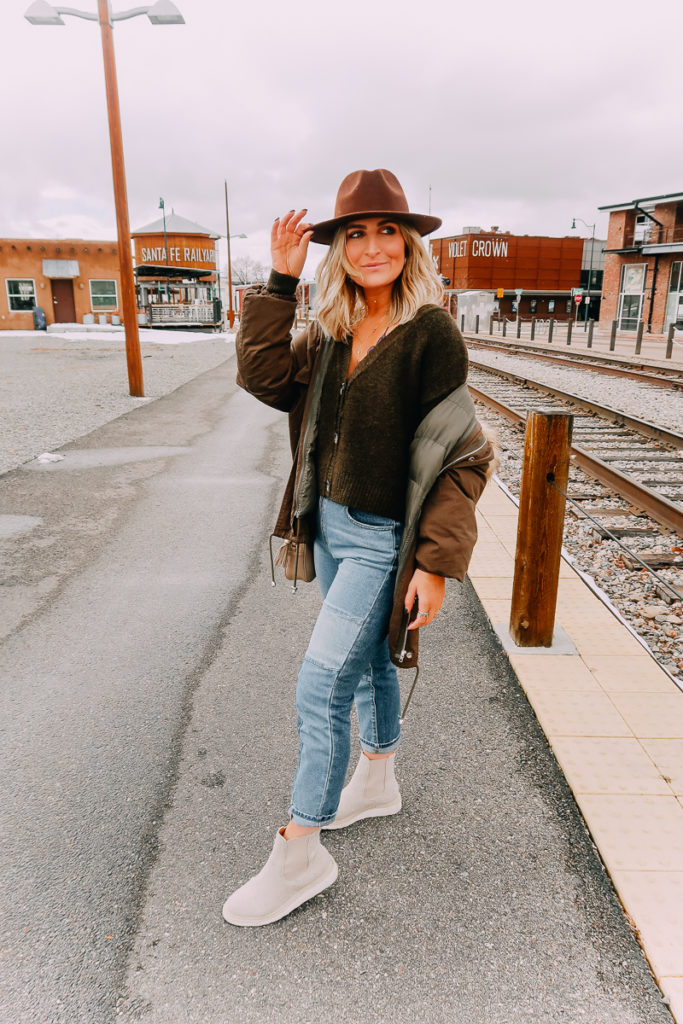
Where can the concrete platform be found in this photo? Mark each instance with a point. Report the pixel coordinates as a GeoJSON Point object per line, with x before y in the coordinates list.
{"type": "Point", "coordinates": [149, 740]}
{"type": "Point", "coordinates": [614, 720]}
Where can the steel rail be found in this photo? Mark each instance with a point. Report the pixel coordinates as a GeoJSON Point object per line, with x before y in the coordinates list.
{"type": "Point", "coordinates": [664, 378]}
{"type": "Point", "coordinates": [653, 430]}
{"type": "Point", "coordinates": [656, 505]}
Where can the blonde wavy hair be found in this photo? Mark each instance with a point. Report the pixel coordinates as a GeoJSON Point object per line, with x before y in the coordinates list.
{"type": "Point", "coordinates": [340, 302]}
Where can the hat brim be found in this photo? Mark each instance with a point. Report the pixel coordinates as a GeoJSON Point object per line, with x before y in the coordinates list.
{"type": "Point", "coordinates": [325, 230]}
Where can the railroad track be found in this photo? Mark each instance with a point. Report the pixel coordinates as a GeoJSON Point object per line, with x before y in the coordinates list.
{"type": "Point", "coordinates": [636, 459]}
{"type": "Point", "coordinates": [670, 378]}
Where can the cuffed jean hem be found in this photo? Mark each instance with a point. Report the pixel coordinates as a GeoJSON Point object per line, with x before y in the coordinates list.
{"type": "Point", "coordinates": [380, 748]}
{"type": "Point", "coordinates": [307, 822]}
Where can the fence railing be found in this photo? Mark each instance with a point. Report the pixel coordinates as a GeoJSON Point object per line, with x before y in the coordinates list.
{"type": "Point", "coordinates": [170, 313]}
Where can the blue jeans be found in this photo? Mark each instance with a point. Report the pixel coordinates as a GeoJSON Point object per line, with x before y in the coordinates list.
{"type": "Point", "coordinates": [348, 657]}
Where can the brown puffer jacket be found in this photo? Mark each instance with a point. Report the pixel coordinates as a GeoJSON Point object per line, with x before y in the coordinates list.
{"type": "Point", "coordinates": [279, 371]}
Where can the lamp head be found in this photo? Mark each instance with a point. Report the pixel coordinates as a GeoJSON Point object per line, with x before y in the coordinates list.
{"type": "Point", "coordinates": [573, 223]}
{"type": "Point", "coordinates": [42, 13]}
{"type": "Point", "coordinates": [164, 12]}
{"type": "Point", "coordinates": [161, 204]}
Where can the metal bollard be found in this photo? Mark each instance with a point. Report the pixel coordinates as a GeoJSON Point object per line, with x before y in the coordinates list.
{"type": "Point", "coordinates": [462, 322]}
{"type": "Point", "coordinates": [505, 327]}
{"type": "Point", "coordinates": [613, 336]}
{"type": "Point", "coordinates": [476, 324]}
{"type": "Point", "coordinates": [533, 328]}
{"type": "Point", "coordinates": [491, 324]}
{"type": "Point", "coordinates": [590, 334]}
{"type": "Point", "coordinates": [670, 341]}
{"type": "Point", "coordinates": [570, 324]}
{"type": "Point", "coordinates": [519, 328]}
{"type": "Point", "coordinates": [551, 324]}
{"type": "Point", "coordinates": [639, 337]}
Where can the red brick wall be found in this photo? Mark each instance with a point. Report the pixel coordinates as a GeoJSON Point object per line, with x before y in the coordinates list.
{"type": "Point", "coordinates": [620, 233]}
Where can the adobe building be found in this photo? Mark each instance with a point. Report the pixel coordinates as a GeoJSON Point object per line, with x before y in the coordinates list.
{"type": "Point", "coordinates": [547, 270]}
{"type": "Point", "coordinates": [78, 280]}
{"type": "Point", "coordinates": [72, 280]}
{"type": "Point", "coordinates": [644, 264]}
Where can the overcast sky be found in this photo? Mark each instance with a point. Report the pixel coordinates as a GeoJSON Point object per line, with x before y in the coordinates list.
{"type": "Point", "coordinates": [521, 114]}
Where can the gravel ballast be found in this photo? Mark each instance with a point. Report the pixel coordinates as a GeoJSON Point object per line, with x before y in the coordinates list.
{"type": "Point", "coordinates": [647, 401]}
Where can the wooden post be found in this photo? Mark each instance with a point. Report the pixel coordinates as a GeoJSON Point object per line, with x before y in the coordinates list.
{"type": "Point", "coordinates": [613, 336]}
{"type": "Point", "coordinates": [129, 306]}
{"type": "Point", "coordinates": [476, 324]}
{"type": "Point", "coordinates": [539, 528]}
{"type": "Point", "coordinates": [533, 328]}
{"type": "Point", "coordinates": [505, 326]}
{"type": "Point", "coordinates": [570, 324]}
{"type": "Point", "coordinates": [551, 324]}
{"type": "Point", "coordinates": [462, 322]}
{"type": "Point", "coordinates": [491, 324]}
{"type": "Point", "coordinates": [591, 325]}
{"type": "Point", "coordinates": [639, 336]}
{"type": "Point", "coordinates": [519, 327]}
{"type": "Point", "coordinates": [670, 341]}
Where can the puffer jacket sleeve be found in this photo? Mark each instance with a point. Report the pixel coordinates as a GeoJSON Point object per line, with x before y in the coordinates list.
{"type": "Point", "coordinates": [270, 365]}
{"type": "Point", "coordinates": [447, 530]}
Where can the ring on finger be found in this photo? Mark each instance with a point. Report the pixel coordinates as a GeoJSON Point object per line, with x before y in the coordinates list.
{"type": "Point", "coordinates": [423, 615]}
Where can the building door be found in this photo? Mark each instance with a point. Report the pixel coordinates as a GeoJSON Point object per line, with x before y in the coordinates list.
{"type": "Point", "coordinates": [674, 303]}
{"type": "Point", "coordinates": [631, 294]}
{"type": "Point", "coordinates": [63, 302]}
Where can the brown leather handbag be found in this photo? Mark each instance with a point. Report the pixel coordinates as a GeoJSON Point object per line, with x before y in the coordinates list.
{"type": "Point", "coordinates": [296, 558]}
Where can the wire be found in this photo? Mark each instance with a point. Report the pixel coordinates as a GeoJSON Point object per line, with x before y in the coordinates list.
{"type": "Point", "coordinates": [629, 552]}
{"type": "Point", "coordinates": [604, 529]}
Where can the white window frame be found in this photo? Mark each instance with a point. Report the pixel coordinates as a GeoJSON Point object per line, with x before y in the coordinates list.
{"type": "Point", "coordinates": [102, 280]}
{"type": "Point", "coordinates": [10, 297]}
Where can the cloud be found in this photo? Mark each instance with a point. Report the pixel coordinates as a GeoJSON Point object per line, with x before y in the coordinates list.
{"type": "Point", "coordinates": [520, 115]}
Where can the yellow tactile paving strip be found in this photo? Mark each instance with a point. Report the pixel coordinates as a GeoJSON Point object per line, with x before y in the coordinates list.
{"type": "Point", "coordinates": [614, 720]}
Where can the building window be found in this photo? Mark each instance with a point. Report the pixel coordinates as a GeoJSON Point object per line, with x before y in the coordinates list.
{"type": "Point", "coordinates": [551, 305]}
{"type": "Point", "coordinates": [596, 279]}
{"type": "Point", "coordinates": [631, 291]}
{"type": "Point", "coordinates": [103, 295]}
{"type": "Point", "coordinates": [21, 295]}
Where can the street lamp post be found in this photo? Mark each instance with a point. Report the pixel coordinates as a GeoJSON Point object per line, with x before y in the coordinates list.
{"type": "Point", "coordinates": [590, 271]}
{"type": "Point", "coordinates": [228, 236]}
{"type": "Point", "coordinates": [162, 207]}
{"type": "Point", "coordinates": [163, 12]}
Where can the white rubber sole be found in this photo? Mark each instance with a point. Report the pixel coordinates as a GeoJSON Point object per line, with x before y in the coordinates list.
{"type": "Point", "coordinates": [369, 812]}
{"type": "Point", "coordinates": [287, 907]}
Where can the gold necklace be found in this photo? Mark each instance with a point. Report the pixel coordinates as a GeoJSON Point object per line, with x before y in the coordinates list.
{"type": "Point", "coordinates": [362, 344]}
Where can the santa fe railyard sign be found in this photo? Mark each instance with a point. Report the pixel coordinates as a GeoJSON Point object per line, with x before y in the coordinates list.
{"type": "Point", "coordinates": [177, 254]}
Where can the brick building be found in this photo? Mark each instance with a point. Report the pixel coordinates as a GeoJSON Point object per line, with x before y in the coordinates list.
{"type": "Point", "coordinates": [644, 264]}
{"type": "Point", "coordinates": [546, 269]}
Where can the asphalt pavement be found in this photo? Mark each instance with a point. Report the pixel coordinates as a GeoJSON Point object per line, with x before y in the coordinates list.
{"type": "Point", "coordinates": [148, 739]}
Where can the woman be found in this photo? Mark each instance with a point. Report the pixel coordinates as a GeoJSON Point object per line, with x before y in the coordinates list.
{"type": "Point", "coordinates": [389, 461]}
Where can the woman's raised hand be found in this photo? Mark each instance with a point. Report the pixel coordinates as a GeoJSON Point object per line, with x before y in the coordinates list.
{"type": "Point", "coordinates": [289, 240]}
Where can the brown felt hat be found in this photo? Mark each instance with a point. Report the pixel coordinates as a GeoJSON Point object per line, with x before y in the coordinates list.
{"type": "Point", "coordinates": [371, 194]}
